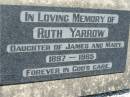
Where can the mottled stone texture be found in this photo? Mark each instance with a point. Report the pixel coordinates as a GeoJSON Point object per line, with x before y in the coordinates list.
{"type": "Point", "coordinates": [79, 86]}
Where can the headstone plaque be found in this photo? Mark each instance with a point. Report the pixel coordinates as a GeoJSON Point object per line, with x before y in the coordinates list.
{"type": "Point", "coordinates": [52, 43]}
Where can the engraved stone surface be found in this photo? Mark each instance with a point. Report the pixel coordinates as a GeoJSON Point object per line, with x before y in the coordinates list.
{"type": "Point", "coordinates": [78, 86]}
{"type": "Point", "coordinates": [43, 44]}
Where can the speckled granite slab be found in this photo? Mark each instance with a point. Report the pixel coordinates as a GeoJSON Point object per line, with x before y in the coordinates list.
{"type": "Point", "coordinates": [78, 86]}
